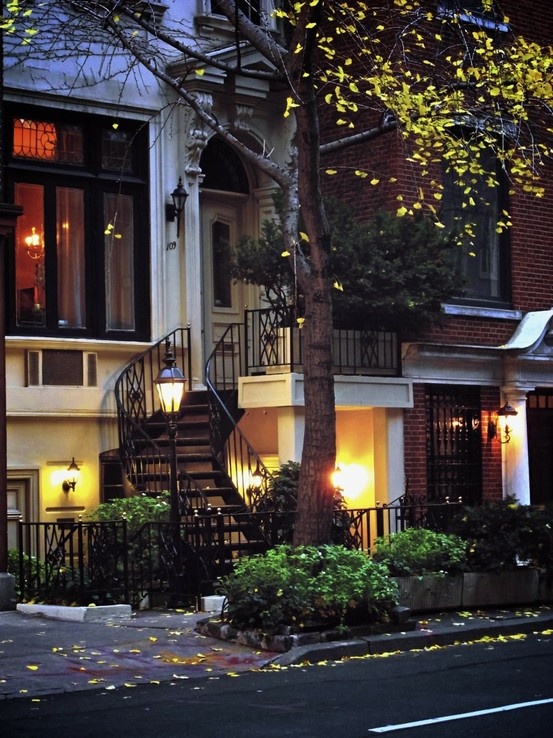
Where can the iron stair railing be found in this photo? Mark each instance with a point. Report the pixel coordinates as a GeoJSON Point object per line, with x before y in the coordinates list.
{"type": "Point", "coordinates": [146, 462]}
{"type": "Point", "coordinates": [229, 445]}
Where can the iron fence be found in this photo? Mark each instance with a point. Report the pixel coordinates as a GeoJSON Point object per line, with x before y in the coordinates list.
{"type": "Point", "coordinates": [167, 564]}
{"type": "Point", "coordinates": [74, 562]}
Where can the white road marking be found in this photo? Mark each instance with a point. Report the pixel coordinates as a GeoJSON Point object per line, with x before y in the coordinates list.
{"type": "Point", "coordinates": [459, 716]}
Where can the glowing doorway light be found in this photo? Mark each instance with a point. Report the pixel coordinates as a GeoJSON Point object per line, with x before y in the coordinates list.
{"type": "Point", "coordinates": [351, 480]}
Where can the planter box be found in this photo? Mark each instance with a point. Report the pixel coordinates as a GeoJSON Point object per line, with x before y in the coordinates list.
{"type": "Point", "coordinates": [425, 593]}
{"type": "Point", "coordinates": [486, 589]}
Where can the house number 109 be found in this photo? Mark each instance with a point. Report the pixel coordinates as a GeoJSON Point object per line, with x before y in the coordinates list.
{"type": "Point", "coordinates": [171, 246]}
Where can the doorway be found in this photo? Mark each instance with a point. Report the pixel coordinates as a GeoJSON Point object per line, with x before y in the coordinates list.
{"type": "Point", "coordinates": [223, 298]}
{"type": "Point", "coordinates": [539, 409]}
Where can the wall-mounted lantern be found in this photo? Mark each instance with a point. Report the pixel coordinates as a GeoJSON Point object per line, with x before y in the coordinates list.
{"type": "Point", "coordinates": [500, 428]}
{"type": "Point", "coordinates": [175, 209]}
{"type": "Point", "coordinates": [70, 483]}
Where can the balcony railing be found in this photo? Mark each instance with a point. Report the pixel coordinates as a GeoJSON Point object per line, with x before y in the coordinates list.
{"type": "Point", "coordinates": [275, 345]}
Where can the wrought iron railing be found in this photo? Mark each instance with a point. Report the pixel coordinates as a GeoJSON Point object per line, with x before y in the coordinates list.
{"type": "Point", "coordinates": [135, 392]}
{"type": "Point", "coordinates": [275, 344]}
{"type": "Point", "coordinates": [146, 462]}
{"type": "Point", "coordinates": [164, 563]}
{"type": "Point", "coordinates": [229, 445]}
{"type": "Point", "coordinates": [80, 562]}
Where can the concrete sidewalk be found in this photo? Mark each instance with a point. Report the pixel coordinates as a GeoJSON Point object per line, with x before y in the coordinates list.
{"type": "Point", "coordinates": [41, 656]}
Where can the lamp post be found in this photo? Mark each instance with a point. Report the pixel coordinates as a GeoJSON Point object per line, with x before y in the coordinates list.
{"type": "Point", "coordinates": [170, 385]}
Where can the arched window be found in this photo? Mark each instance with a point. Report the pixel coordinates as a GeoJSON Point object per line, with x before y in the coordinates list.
{"type": "Point", "coordinates": [222, 168]}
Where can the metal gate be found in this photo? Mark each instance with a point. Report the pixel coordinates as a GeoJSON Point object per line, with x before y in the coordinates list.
{"type": "Point", "coordinates": [453, 443]}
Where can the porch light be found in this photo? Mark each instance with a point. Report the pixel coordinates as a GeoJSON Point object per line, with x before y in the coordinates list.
{"type": "Point", "coordinates": [351, 480]}
{"type": "Point", "coordinates": [175, 209]}
{"type": "Point", "coordinates": [503, 432]}
{"type": "Point", "coordinates": [71, 482]}
{"type": "Point", "coordinates": [256, 478]}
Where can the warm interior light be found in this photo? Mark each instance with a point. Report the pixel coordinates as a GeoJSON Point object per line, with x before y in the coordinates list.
{"type": "Point", "coordinates": [34, 244]}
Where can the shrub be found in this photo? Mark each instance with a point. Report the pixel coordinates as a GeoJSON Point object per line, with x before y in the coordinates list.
{"type": "Point", "coordinates": [292, 586]}
{"type": "Point", "coordinates": [282, 497]}
{"type": "Point", "coordinates": [32, 569]}
{"type": "Point", "coordinates": [418, 551]}
{"type": "Point", "coordinates": [502, 535]}
{"type": "Point", "coordinates": [136, 510]}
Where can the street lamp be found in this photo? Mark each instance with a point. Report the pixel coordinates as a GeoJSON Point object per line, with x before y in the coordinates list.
{"type": "Point", "coordinates": [170, 385]}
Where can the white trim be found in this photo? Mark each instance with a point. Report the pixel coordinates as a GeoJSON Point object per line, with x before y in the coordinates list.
{"type": "Point", "coordinates": [482, 312]}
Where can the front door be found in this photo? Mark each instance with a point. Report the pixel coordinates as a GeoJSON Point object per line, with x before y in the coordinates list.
{"type": "Point", "coordinates": [540, 446]}
{"type": "Point", "coordinates": [223, 299]}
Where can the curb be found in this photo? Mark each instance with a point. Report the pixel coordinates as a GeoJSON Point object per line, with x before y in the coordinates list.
{"type": "Point", "coordinates": [408, 641]}
{"type": "Point", "coordinates": [90, 614]}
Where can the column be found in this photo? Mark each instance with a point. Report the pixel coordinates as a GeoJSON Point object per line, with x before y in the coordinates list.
{"type": "Point", "coordinates": [514, 455]}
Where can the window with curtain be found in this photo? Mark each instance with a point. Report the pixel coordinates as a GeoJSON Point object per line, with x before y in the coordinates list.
{"type": "Point", "coordinates": [80, 265]}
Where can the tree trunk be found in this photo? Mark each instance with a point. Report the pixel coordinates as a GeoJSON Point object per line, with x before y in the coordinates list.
{"type": "Point", "coordinates": [315, 491]}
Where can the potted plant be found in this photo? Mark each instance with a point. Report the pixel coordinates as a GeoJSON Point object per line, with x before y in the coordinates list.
{"type": "Point", "coordinates": [427, 566]}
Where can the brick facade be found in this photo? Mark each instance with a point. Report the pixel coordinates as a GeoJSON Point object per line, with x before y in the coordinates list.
{"type": "Point", "coordinates": [530, 242]}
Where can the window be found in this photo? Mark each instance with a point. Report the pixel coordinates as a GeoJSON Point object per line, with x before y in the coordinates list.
{"type": "Point", "coordinates": [483, 258]}
{"type": "Point", "coordinates": [80, 266]}
{"type": "Point", "coordinates": [250, 8]}
{"type": "Point", "coordinates": [473, 11]}
{"type": "Point", "coordinates": [220, 245]}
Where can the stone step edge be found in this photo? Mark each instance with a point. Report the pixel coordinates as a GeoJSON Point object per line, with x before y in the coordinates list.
{"type": "Point", "coordinates": [85, 614]}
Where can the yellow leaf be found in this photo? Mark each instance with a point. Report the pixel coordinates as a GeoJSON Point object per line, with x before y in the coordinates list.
{"type": "Point", "coordinates": [304, 236]}
{"type": "Point", "coordinates": [285, 253]}
{"type": "Point", "coordinates": [401, 211]}
{"type": "Point", "coordinates": [200, 72]}
{"type": "Point", "coordinates": [32, 667]}
{"type": "Point", "coordinates": [338, 285]}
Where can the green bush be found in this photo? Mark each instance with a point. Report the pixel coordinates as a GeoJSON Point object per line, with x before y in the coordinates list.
{"type": "Point", "coordinates": [418, 551]}
{"type": "Point", "coordinates": [32, 569]}
{"type": "Point", "coordinates": [293, 586]}
{"type": "Point", "coordinates": [282, 497]}
{"type": "Point", "coordinates": [136, 510]}
{"type": "Point", "coordinates": [503, 535]}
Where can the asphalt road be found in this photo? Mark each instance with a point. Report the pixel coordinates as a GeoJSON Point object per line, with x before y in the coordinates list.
{"type": "Point", "coordinates": [490, 689]}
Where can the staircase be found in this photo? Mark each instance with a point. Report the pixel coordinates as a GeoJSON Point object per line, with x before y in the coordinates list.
{"type": "Point", "coordinates": [215, 463]}
{"type": "Point", "coordinates": [209, 484]}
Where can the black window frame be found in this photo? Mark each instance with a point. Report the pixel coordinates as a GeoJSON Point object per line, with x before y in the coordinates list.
{"type": "Point", "coordinates": [501, 192]}
{"type": "Point", "coordinates": [95, 181]}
